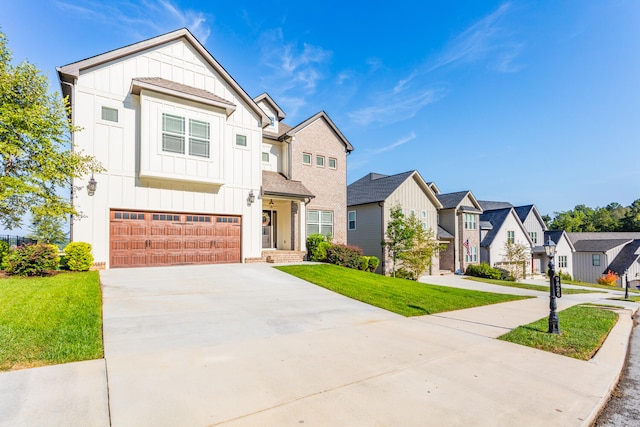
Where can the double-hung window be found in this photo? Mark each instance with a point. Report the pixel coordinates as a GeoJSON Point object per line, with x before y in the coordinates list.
{"type": "Point", "coordinates": [562, 261]}
{"type": "Point", "coordinates": [470, 221]}
{"type": "Point", "coordinates": [174, 135]}
{"type": "Point", "coordinates": [534, 237]}
{"type": "Point", "coordinates": [352, 220]}
{"type": "Point", "coordinates": [472, 255]}
{"type": "Point", "coordinates": [319, 222]}
{"type": "Point", "coordinates": [595, 260]}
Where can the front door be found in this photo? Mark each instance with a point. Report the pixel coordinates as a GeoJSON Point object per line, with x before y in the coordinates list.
{"type": "Point", "coordinates": [269, 229]}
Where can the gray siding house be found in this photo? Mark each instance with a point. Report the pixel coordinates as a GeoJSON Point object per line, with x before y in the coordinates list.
{"type": "Point", "coordinates": [369, 202]}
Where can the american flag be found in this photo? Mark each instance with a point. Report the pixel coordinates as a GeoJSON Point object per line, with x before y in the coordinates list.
{"type": "Point", "coordinates": [466, 246]}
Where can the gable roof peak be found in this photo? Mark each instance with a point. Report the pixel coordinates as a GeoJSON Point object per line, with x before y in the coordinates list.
{"type": "Point", "coordinates": [269, 100]}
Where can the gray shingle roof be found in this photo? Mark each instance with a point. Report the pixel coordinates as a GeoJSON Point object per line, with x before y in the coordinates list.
{"type": "Point", "coordinates": [602, 235]}
{"type": "Point", "coordinates": [488, 205]}
{"type": "Point", "coordinates": [374, 187]}
{"type": "Point", "coordinates": [485, 225]}
{"type": "Point", "coordinates": [276, 184]}
{"type": "Point", "coordinates": [627, 256]}
{"type": "Point", "coordinates": [523, 211]}
{"type": "Point", "coordinates": [598, 245]}
{"type": "Point", "coordinates": [496, 217]}
{"type": "Point", "coordinates": [444, 234]}
{"type": "Point", "coordinates": [555, 235]}
{"type": "Point", "coordinates": [452, 200]}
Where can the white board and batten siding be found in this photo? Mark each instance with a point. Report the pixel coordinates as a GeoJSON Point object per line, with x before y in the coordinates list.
{"type": "Point", "coordinates": [132, 147]}
{"type": "Point", "coordinates": [497, 249]}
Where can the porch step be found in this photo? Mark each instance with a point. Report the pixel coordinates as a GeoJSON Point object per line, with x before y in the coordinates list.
{"type": "Point", "coordinates": [283, 256]}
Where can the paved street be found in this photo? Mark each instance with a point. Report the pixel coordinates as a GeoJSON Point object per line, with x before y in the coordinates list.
{"type": "Point", "coordinates": [623, 410]}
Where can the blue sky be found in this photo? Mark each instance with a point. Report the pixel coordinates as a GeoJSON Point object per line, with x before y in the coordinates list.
{"type": "Point", "coordinates": [521, 101]}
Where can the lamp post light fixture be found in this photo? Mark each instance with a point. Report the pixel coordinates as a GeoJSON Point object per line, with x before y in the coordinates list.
{"type": "Point", "coordinates": [554, 288]}
{"type": "Point", "coordinates": [91, 186]}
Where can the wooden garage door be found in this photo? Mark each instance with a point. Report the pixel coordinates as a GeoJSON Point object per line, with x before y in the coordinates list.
{"type": "Point", "coordinates": [140, 239]}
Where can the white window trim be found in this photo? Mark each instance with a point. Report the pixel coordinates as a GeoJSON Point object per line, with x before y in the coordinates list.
{"type": "Point", "coordinates": [187, 136]}
{"type": "Point", "coordinates": [318, 157]}
{"type": "Point", "coordinates": [118, 108]}
{"type": "Point", "coordinates": [335, 161]}
{"type": "Point", "coordinates": [310, 159]}
{"type": "Point", "coordinates": [240, 147]}
{"type": "Point", "coordinates": [268, 157]}
{"type": "Point", "coordinates": [355, 216]}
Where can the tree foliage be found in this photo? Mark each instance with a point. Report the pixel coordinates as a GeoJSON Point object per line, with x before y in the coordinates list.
{"type": "Point", "coordinates": [517, 256]}
{"type": "Point", "coordinates": [47, 229]}
{"type": "Point", "coordinates": [613, 217]}
{"type": "Point", "coordinates": [36, 159]}
{"type": "Point", "coordinates": [398, 236]}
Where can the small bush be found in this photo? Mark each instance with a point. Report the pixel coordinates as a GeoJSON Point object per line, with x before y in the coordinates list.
{"type": "Point", "coordinates": [403, 273]}
{"type": "Point", "coordinates": [4, 250]}
{"type": "Point", "coordinates": [77, 256]}
{"type": "Point", "coordinates": [374, 262]}
{"type": "Point", "coordinates": [609, 279]}
{"type": "Point", "coordinates": [320, 254]}
{"type": "Point", "coordinates": [313, 241]}
{"type": "Point", "coordinates": [484, 270]}
{"type": "Point", "coordinates": [344, 255]}
{"type": "Point", "coordinates": [565, 276]}
{"type": "Point", "coordinates": [364, 263]}
{"type": "Point", "coordinates": [505, 274]}
{"type": "Point", "coordinates": [32, 260]}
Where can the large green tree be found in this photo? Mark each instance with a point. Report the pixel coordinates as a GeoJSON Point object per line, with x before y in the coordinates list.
{"type": "Point", "coordinates": [613, 217]}
{"type": "Point", "coordinates": [36, 159]}
{"type": "Point", "coordinates": [418, 258]}
{"type": "Point", "coordinates": [399, 236]}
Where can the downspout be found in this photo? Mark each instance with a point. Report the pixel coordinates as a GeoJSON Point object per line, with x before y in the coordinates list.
{"type": "Point", "coordinates": [384, 249]}
{"type": "Point", "coordinates": [73, 101]}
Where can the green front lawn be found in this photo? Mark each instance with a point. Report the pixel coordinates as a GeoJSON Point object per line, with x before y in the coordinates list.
{"type": "Point", "coordinates": [50, 320]}
{"type": "Point", "coordinates": [540, 288]}
{"type": "Point", "coordinates": [583, 329]}
{"type": "Point", "coordinates": [400, 296]}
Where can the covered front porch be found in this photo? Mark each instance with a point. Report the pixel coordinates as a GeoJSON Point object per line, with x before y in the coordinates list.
{"type": "Point", "coordinates": [283, 218]}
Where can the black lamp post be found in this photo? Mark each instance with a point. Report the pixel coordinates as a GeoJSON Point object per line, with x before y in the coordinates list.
{"type": "Point", "coordinates": [626, 284]}
{"type": "Point", "coordinates": [554, 323]}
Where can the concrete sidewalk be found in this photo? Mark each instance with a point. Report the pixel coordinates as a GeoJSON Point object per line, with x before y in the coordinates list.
{"type": "Point", "coordinates": [249, 345]}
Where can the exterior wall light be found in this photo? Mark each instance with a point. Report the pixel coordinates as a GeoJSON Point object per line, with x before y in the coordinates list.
{"type": "Point", "coordinates": [91, 186]}
{"type": "Point", "coordinates": [252, 197]}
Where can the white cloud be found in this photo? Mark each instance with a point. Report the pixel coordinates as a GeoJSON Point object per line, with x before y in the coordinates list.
{"type": "Point", "coordinates": [398, 143]}
{"type": "Point", "coordinates": [394, 109]}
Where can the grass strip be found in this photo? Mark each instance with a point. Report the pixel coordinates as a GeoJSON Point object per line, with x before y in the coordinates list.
{"type": "Point", "coordinates": [583, 330]}
{"type": "Point", "coordinates": [50, 320]}
{"type": "Point", "coordinates": [532, 287]}
{"type": "Point", "coordinates": [404, 297]}
{"type": "Point", "coordinates": [634, 298]}
{"type": "Point", "coordinates": [632, 289]}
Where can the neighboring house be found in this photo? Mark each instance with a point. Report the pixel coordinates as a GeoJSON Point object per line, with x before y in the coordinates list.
{"type": "Point", "coordinates": [535, 226]}
{"type": "Point", "coordinates": [497, 227]}
{"type": "Point", "coordinates": [459, 217]}
{"type": "Point", "coordinates": [369, 203]}
{"type": "Point", "coordinates": [184, 148]}
{"type": "Point", "coordinates": [565, 250]}
{"type": "Point", "coordinates": [600, 252]}
{"type": "Point", "coordinates": [304, 179]}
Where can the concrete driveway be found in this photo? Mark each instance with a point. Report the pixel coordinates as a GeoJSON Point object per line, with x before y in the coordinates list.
{"type": "Point", "coordinates": [247, 345]}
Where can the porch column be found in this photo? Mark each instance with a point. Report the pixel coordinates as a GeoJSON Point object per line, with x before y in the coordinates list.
{"type": "Point", "coordinates": [302, 222]}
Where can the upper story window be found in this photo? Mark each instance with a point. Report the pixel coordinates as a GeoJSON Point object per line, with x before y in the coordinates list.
{"type": "Point", "coordinates": [332, 163]}
{"type": "Point", "coordinates": [534, 237]}
{"type": "Point", "coordinates": [273, 121]}
{"type": "Point", "coordinates": [265, 156]}
{"type": "Point", "coordinates": [595, 260]}
{"type": "Point", "coordinates": [351, 217]}
{"type": "Point", "coordinates": [109, 114]}
{"type": "Point", "coordinates": [423, 214]}
{"type": "Point", "coordinates": [174, 135]}
{"type": "Point", "coordinates": [320, 161]}
{"type": "Point", "coordinates": [198, 138]}
{"type": "Point", "coordinates": [241, 140]}
{"type": "Point", "coordinates": [306, 158]}
{"type": "Point", "coordinates": [470, 221]}
{"type": "Point", "coordinates": [511, 236]}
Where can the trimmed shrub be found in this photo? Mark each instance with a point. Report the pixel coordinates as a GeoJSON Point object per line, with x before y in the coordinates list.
{"type": "Point", "coordinates": [32, 260]}
{"type": "Point", "coordinates": [565, 276]}
{"type": "Point", "coordinates": [320, 253]}
{"type": "Point", "coordinates": [4, 250]}
{"type": "Point", "coordinates": [77, 256]}
{"type": "Point", "coordinates": [344, 255]}
{"type": "Point", "coordinates": [364, 263]}
{"type": "Point", "coordinates": [505, 275]}
{"type": "Point", "coordinates": [609, 279]}
{"type": "Point", "coordinates": [313, 241]}
{"type": "Point", "coordinates": [374, 262]}
{"type": "Point", "coordinates": [484, 270]}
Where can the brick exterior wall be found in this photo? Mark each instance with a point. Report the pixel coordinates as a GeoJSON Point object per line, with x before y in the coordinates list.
{"type": "Point", "coordinates": [474, 240]}
{"type": "Point", "coordinates": [328, 185]}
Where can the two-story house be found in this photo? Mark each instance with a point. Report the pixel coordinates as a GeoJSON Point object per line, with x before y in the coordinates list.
{"type": "Point", "coordinates": [499, 225]}
{"type": "Point", "coordinates": [535, 226]}
{"type": "Point", "coordinates": [185, 151]}
{"type": "Point", "coordinates": [369, 203]}
{"type": "Point", "coordinates": [460, 217]}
